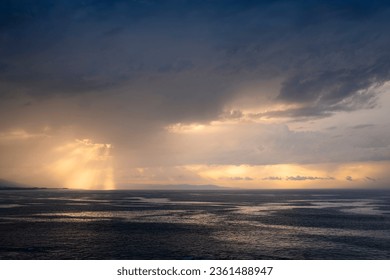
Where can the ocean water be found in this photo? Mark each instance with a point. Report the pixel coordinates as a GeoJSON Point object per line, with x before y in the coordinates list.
{"type": "Point", "coordinates": [317, 224]}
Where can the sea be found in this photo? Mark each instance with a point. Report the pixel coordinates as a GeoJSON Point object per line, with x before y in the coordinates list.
{"type": "Point", "coordinates": [215, 224]}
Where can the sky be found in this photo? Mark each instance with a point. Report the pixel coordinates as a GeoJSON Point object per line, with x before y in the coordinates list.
{"type": "Point", "coordinates": [102, 94]}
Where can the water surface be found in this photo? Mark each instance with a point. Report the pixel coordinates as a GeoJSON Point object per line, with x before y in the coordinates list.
{"type": "Point", "coordinates": [63, 224]}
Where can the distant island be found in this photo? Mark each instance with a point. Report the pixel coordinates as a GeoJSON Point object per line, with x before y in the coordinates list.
{"type": "Point", "coordinates": [8, 185]}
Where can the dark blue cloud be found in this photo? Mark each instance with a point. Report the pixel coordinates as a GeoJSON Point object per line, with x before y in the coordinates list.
{"type": "Point", "coordinates": [191, 55]}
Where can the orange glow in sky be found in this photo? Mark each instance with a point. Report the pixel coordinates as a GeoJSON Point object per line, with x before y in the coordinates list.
{"type": "Point", "coordinates": [84, 164]}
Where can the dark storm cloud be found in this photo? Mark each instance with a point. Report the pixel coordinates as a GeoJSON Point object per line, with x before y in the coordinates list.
{"type": "Point", "coordinates": [190, 56]}
{"type": "Point", "coordinates": [297, 178]}
{"type": "Point", "coordinates": [340, 90]}
{"type": "Point", "coordinates": [237, 178]}
{"type": "Point", "coordinates": [304, 178]}
{"type": "Point", "coordinates": [331, 56]}
{"type": "Point", "coordinates": [370, 179]}
{"type": "Point", "coordinates": [272, 178]}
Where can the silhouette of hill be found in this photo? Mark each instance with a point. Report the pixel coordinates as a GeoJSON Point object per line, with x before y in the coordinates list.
{"type": "Point", "coordinates": [8, 185]}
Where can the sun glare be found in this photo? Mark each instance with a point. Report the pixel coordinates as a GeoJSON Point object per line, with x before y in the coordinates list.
{"type": "Point", "coordinates": [83, 164]}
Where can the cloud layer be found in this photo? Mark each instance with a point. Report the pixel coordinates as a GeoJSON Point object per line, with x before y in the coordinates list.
{"type": "Point", "coordinates": [175, 83]}
{"type": "Point", "coordinates": [192, 56]}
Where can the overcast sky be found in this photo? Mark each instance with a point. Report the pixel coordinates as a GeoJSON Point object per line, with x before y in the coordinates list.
{"type": "Point", "coordinates": [255, 94]}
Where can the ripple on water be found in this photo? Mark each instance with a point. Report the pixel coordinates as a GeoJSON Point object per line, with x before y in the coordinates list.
{"type": "Point", "coordinates": [363, 207]}
{"type": "Point", "coordinates": [10, 205]}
